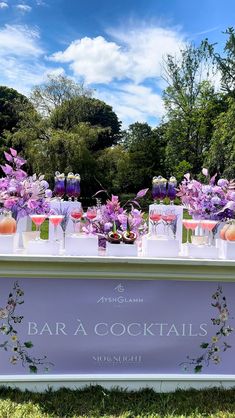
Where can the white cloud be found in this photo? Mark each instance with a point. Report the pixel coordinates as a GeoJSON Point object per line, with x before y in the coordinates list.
{"type": "Point", "coordinates": [133, 102]}
{"type": "Point", "coordinates": [3, 5]}
{"type": "Point", "coordinates": [21, 58]}
{"type": "Point", "coordinates": [19, 41]}
{"type": "Point", "coordinates": [24, 8]}
{"type": "Point", "coordinates": [136, 54]}
{"type": "Point", "coordinates": [96, 60]}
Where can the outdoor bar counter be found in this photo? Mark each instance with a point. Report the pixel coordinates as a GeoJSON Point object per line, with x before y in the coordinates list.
{"type": "Point", "coordinates": [114, 321]}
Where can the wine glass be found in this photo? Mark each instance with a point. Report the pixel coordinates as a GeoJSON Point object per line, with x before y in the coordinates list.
{"type": "Point", "coordinates": [38, 221]}
{"type": "Point", "coordinates": [76, 215]}
{"type": "Point", "coordinates": [187, 227]}
{"type": "Point", "coordinates": [56, 221]}
{"type": "Point", "coordinates": [70, 186]}
{"type": "Point", "coordinates": [91, 213]}
{"type": "Point", "coordinates": [155, 217]}
{"type": "Point", "coordinates": [169, 217]}
{"type": "Point", "coordinates": [59, 188]}
{"type": "Point", "coordinates": [171, 189]}
{"type": "Point", "coordinates": [209, 226]}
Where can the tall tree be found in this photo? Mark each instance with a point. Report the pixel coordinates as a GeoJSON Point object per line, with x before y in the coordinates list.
{"type": "Point", "coordinates": [191, 104]}
{"type": "Point", "coordinates": [48, 96]}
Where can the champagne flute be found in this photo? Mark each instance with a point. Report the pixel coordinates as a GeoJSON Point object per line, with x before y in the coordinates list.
{"type": "Point", "coordinates": [77, 187]}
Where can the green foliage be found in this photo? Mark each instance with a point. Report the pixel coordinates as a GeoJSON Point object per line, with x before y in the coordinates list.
{"type": "Point", "coordinates": [93, 111]}
{"type": "Point", "coordinates": [220, 157]}
{"type": "Point", "coordinates": [10, 104]}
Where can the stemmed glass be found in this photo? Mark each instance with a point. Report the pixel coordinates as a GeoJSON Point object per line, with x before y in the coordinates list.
{"type": "Point", "coordinates": [190, 224]}
{"type": "Point", "coordinates": [70, 186]}
{"type": "Point", "coordinates": [162, 187]}
{"type": "Point", "coordinates": [209, 226]}
{"type": "Point", "coordinates": [91, 213]}
{"type": "Point", "coordinates": [59, 188]}
{"type": "Point", "coordinates": [169, 217]}
{"type": "Point", "coordinates": [171, 189]}
{"type": "Point", "coordinates": [77, 189]}
{"type": "Point", "coordinates": [155, 217]}
{"type": "Point", "coordinates": [155, 189]}
{"type": "Point", "coordinates": [38, 221]}
{"type": "Point", "coordinates": [56, 221]}
{"type": "Point", "coordinates": [76, 215]}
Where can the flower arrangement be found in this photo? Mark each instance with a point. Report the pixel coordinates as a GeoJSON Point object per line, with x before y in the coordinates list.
{"type": "Point", "coordinates": [127, 217]}
{"type": "Point", "coordinates": [214, 200]}
{"type": "Point", "coordinates": [22, 194]}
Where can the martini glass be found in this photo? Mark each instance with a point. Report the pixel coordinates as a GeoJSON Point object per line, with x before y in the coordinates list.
{"type": "Point", "coordinates": [56, 221]}
{"type": "Point", "coordinates": [193, 224]}
{"type": "Point", "coordinates": [155, 217]}
{"type": "Point", "coordinates": [38, 221]}
{"type": "Point", "coordinates": [76, 216]}
{"type": "Point", "coordinates": [209, 226]}
{"type": "Point", "coordinates": [187, 227]}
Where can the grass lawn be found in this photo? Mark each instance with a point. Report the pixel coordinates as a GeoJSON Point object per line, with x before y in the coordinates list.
{"type": "Point", "coordinates": [98, 402]}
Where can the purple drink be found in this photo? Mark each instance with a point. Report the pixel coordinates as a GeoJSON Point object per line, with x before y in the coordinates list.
{"type": "Point", "coordinates": [70, 186]}
{"type": "Point", "coordinates": [155, 189]}
{"type": "Point", "coordinates": [77, 188]}
{"type": "Point", "coordinates": [59, 188]}
{"type": "Point", "coordinates": [162, 187]}
{"type": "Point", "coordinates": [171, 192]}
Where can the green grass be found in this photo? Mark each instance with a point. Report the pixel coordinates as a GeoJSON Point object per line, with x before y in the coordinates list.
{"type": "Point", "coordinates": [94, 401]}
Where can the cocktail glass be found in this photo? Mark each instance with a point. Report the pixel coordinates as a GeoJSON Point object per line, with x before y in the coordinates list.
{"type": "Point", "coordinates": [77, 188]}
{"type": "Point", "coordinates": [59, 188]}
{"type": "Point", "coordinates": [162, 187]}
{"type": "Point", "coordinates": [155, 217]}
{"type": "Point", "coordinates": [155, 189]}
{"type": "Point", "coordinates": [91, 213]}
{"type": "Point", "coordinates": [76, 216]}
{"type": "Point", "coordinates": [168, 218]}
{"type": "Point", "coordinates": [171, 189]}
{"type": "Point", "coordinates": [70, 186]}
{"type": "Point", "coordinates": [209, 225]}
{"type": "Point", "coordinates": [38, 221]}
{"type": "Point", "coordinates": [56, 221]}
{"type": "Point", "coordinates": [190, 224]}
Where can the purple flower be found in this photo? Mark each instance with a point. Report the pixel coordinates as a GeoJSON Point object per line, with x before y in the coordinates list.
{"type": "Point", "coordinates": [222, 183]}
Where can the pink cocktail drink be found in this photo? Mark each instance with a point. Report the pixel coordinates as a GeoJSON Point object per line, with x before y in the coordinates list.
{"type": "Point", "coordinates": [38, 221]}
{"type": "Point", "coordinates": [209, 226]}
{"type": "Point", "coordinates": [76, 216]}
{"type": "Point", "coordinates": [155, 217]}
{"type": "Point", "coordinates": [190, 224]}
{"type": "Point", "coordinates": [56, 221]}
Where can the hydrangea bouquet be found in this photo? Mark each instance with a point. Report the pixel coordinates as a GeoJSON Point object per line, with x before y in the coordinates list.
{"type": "Point", "coordinates": [129, 215]}
{"type": "Point", "coordinates": [22, 194]}
{"type": "Point", "coordinates": [213, 200]}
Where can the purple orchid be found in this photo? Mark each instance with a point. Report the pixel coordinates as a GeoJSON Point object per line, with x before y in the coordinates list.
{"type": "Point", "coordinates": [208, 201]}
{"type": "Point", "coordinates": [20, 193]}
{"type": "Point", "coordinates": [112, 212]}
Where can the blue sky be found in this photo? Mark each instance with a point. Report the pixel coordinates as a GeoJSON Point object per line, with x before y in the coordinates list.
{"type": "Point", "coordinates": [115, 47]}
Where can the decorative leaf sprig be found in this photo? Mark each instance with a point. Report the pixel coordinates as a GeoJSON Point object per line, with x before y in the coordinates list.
{"type": "Point", "coordinates": [217, 344]}
{"type": "Point", "coordinates": [13, 342]}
